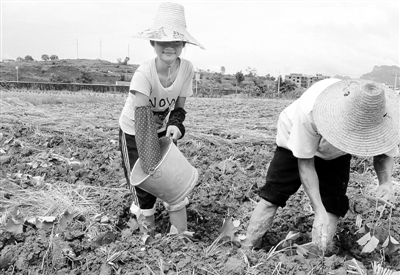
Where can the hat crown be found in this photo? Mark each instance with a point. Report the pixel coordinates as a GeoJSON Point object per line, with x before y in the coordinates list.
{"type": "Point", "coordinates": [367, 103]}
{"type": "Point", "coordinates": [170, 15]}
{"type": "Point", "coordinates": [169, 24]}
{"type": "Point", "coordinates": [359, 117]}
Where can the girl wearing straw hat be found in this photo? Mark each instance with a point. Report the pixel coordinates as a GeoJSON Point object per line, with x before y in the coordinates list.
{"type": "Point", "coordinates": [316, 136]}
{"type": "Point", "coordinates": [155, 107]}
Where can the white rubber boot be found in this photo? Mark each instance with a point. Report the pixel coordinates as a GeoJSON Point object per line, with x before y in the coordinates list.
{"type": "Point", "coordinates": [261, 219]}
{"type": "Point", "coordinates": [179, 219]}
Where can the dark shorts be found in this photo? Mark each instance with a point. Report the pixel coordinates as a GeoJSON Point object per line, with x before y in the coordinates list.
{"type": "Point", "coordinates": [129, 153]}
{"type": "Point", "coordinates": [283, 180]}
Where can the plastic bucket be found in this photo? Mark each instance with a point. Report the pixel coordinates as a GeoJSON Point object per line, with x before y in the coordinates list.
{"type": "Point", "coordinates": [171, 180]}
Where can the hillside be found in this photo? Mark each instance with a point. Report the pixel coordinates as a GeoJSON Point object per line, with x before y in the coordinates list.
{"type": "Point", "coordinates": [67, 71]}
{"type": "Point", "coordinates": [381, 74]}
{"type": "Point", "coordinates": [105, 72]}
{"type": "Point", "coordinates": [384, 74]}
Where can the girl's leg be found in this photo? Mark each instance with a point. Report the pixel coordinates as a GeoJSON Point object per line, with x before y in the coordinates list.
{"type": "Point", "coordinates": [143, 205]}
{"type": "Point", "coordinates": [177, 215]}
{"type": "Point", "coordinates": [179, 219]}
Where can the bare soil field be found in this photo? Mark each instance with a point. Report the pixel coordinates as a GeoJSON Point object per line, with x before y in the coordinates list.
{"type": "Point", "coordinates": [65, 206]}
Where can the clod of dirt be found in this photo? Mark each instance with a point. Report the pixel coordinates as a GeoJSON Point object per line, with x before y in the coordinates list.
{"type": "Point", "coordinates": [105, 238]}
{"type": "Point", "coordinates": [7, 258]}
{"type": "Point", "coordinates": [105, 269]}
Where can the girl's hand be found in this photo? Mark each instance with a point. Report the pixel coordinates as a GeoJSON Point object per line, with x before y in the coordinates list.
{"type": "Point", "coordinates": [173, 132]}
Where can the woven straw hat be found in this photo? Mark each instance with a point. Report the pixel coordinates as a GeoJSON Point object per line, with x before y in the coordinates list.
{"type": "Point", "coordinates": [360, 117]}
{"type": "Point", "coordinates": [169, 25]}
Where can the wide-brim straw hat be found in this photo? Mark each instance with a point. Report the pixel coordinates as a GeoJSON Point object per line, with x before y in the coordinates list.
{"type": "Point", "coordinates": [360, 117]}
{"type": "Point", "coordinates": [169, 25]}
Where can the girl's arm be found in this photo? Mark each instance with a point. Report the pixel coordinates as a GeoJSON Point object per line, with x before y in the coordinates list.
{"type": "Point", "coordinates": [175, 127]}
{"type": "Point", "coordinates": [180, 102]}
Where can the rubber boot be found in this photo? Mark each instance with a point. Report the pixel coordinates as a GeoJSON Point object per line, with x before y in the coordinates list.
{"type": "Point", "coordinates": [179, 219]}
{"type": "Point", "coordinates": [261, 219]}
{"type": "Point", "coordinates": [333, 222]}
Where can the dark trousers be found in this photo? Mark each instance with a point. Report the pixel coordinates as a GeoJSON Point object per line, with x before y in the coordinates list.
{"type": "Point", "coordinates": [283, 180]}
{"type": "Point", "coordinates": [129, 153]}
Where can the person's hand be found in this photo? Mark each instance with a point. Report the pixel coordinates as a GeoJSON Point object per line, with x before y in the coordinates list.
{"type": "Point", "coordinates": [321, 228]}
{"type": "Point", "coordinates": [384, 192]}
{"type": "Point", "coordinates": [173, 132]}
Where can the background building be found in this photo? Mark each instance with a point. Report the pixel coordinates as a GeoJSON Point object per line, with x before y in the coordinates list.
{"type": "Point", "coordinates": [305, 81]}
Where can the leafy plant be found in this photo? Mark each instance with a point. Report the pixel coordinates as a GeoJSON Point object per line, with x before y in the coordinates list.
{"type": "Point", "coordinates": [228, 229]}
{"type": "Point", "coordinates": [377, 269]}
{"type": "Point", "coordinates": [369, 241]}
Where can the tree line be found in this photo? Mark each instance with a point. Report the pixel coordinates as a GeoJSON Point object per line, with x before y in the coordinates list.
{"type": "Point", "coordinates": [29, 58]}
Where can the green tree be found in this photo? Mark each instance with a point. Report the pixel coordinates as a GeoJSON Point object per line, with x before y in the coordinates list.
{"type": "Point", "coordinates": [121, 77]}
{"type": "Point", "coordinates": [125, 62]}
{"type": "Point", "coordinates": [239, 77]}
{"type": "Point", "coordinates": [223, 70]}
{"type": "Point", "coordinates": [29, 58]}
{"type": "Point", "coordinates": [55, 78]}
{"type": "Point", "coordinates": [86, 77]}
{"type": "Point", "coordinates": [251, 72]}
{"type": "Point", "coordinates": [54, 57]}
{"type": "Point", "coordinates": [218, 78]}
{"type": "Point", "coordinates": [286, 86]}
{"type": "Point", "coordinates": [269, 77]}
{"type": "Point", "coordinates": [45, 57]}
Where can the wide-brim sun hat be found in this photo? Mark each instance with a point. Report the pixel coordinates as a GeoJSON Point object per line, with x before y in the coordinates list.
{"type": "Point", "coordinates": [169, 25]}
{"type": "Point", "coordinates": [360, 117]}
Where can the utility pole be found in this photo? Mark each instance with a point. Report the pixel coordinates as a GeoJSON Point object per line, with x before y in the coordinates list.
{"type": "Point", "coordinates": [77, 49]}
{"type": "Point", "coordinates": [100, 49]}
{"type": "Point", "coordinates": [279, 82]}
{"type": "Point", "coordinates": [128, 51]}
{"type": "Point", "coordinates": [395, 82]}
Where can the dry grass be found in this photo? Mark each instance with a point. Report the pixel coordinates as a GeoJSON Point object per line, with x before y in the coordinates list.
{"type": "Point", "coordinates": [50, 200]}
{"type": "Point", "coordinates": [37, 97]}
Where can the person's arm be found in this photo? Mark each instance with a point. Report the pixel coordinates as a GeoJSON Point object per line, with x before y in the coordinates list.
{"type": "Point", "coordinates": [180, 102]}
{"type": "Point", "coordinates": [309, 179]}
{"type": "Point", "coordinates": [383, 166]}
{"type": "Point", "coordinates": [175, 128]}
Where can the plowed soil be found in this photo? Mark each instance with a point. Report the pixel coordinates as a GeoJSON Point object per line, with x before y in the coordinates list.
{"type": "Point", "coordinates": [65, 206]}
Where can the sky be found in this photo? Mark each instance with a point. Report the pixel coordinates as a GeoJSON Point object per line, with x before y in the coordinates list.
{"type": "Point", "coordinates": [346, 38]}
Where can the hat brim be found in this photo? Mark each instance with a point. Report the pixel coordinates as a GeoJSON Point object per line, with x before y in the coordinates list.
{"type": "Point", "coordinates": [340, 126]}
{"type": "Point", "coordinates": [166, 34]}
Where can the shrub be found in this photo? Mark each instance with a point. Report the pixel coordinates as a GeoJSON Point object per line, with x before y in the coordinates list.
{"type": "Point", "coordinates": [29, 58]}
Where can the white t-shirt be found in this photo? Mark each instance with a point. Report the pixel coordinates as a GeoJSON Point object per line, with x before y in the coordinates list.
{"type": "Point", "coordinates": [162, 100]}
{"type": "Point", "coordinates": [298, 133]}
